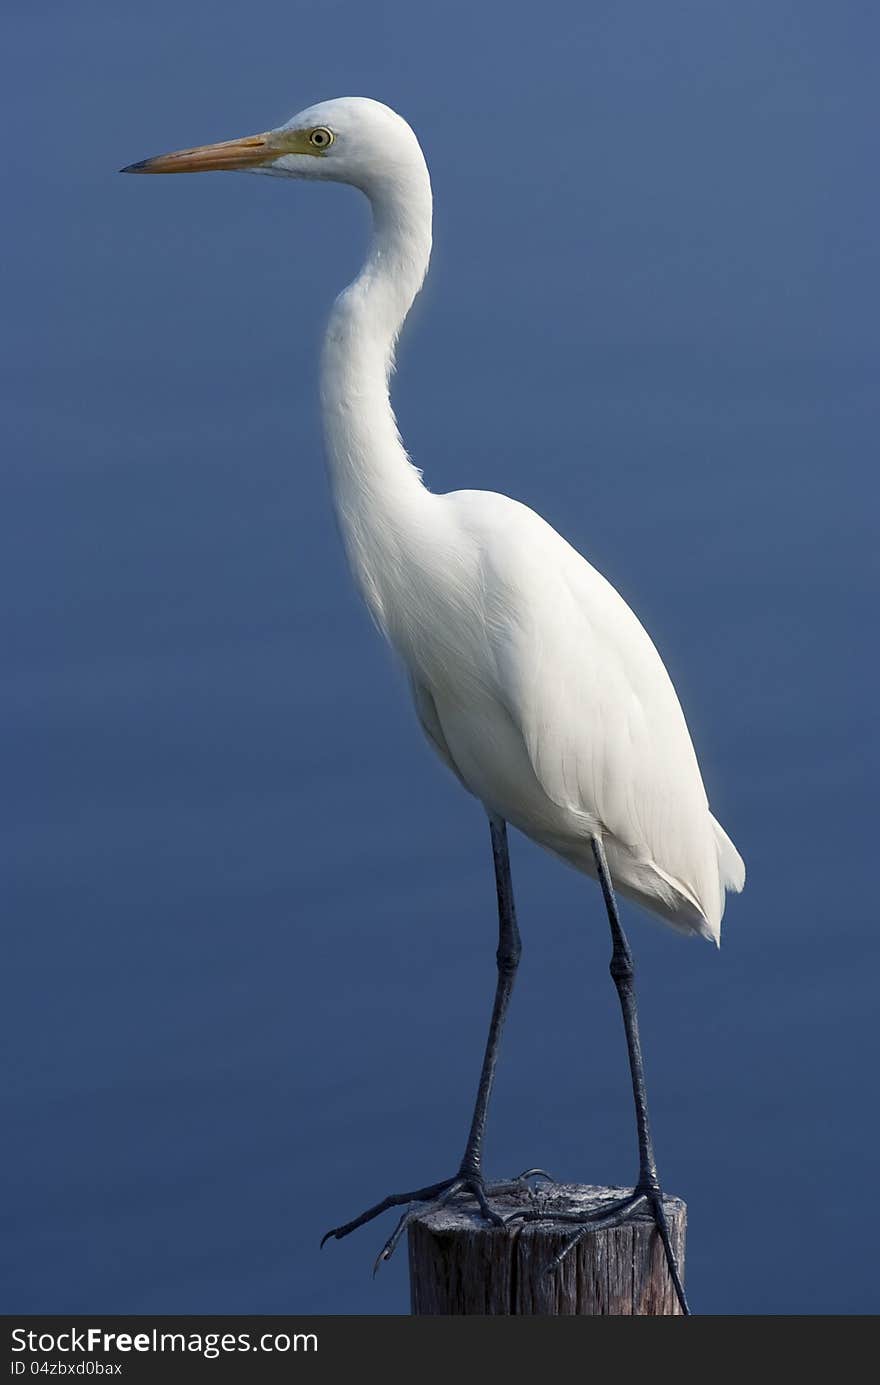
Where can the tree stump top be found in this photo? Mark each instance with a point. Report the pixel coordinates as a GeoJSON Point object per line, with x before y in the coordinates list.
{"type": "Point", "coordinates": [461, 1265]}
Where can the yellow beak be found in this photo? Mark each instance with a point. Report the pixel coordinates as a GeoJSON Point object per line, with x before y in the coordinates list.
{"type": "Point", "coordinates": [249, 152]}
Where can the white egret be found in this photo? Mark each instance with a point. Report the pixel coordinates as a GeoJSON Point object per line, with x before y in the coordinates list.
{"type": "Point", "coordinates": [532, 679]}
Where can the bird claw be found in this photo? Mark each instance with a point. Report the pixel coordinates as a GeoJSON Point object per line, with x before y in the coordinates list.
{"type": "Point", "coordinates": [603, 1218]}
{"type": "Point", "coordinates": [471, 1184]}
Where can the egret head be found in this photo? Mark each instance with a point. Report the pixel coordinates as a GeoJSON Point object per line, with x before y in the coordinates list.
{"type": "Point", "coordinates": [349, 140]}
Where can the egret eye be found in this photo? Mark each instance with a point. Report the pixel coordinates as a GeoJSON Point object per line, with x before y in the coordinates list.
{"type": "Point", "coordinates": [321, 138]}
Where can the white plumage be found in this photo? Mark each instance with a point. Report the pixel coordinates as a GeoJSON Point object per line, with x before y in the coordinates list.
{"type": "Point", "coordinates": [532, 678]}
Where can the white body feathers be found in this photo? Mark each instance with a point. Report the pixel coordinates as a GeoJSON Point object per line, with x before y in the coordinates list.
{"type": "Point", "coordinates": [532, 678]}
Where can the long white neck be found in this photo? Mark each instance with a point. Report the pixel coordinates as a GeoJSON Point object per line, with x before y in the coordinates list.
{"type": "Point", "coordinates": [377, 491]}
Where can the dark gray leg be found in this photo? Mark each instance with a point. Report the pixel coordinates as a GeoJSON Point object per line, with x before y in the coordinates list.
{"type": "Point", "coordinates": [647, 1194]}
{"type": "Point", "coordinates": [469, 1178]}
{"type": "Point", "coordinates": [507, 958]}
{"type": "Point", "coordinates": [623, 973]}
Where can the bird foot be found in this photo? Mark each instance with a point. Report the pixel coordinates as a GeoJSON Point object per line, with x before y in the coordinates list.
{"type": "Point", "coordinates": [465, 1183]}
{"type": "Point", "coordinates": [643, 1199]}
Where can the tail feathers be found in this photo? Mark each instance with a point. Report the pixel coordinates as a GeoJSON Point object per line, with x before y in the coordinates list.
{"type": "Point", "coordinates": [730, 864]}
{"type": "Point", "coordinates": [731, 876]}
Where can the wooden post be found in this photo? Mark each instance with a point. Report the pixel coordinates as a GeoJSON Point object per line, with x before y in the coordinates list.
{"type": "Point", "coordinates": [460, 1265]}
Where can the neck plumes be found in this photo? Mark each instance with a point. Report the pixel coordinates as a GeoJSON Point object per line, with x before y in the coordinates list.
{"type": "Point", "coordinates": [377, 491]}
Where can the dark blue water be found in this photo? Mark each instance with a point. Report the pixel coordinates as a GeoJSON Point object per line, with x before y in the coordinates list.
{"type": "Point", "coordinates": [248, 922]}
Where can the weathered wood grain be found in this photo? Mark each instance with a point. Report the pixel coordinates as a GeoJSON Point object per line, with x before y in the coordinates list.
{"type": "Point", "coordinates": [460, 1265]}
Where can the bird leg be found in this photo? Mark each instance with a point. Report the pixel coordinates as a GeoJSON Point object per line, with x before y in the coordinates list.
{"type": "Point", "coordinates": [647, 1194]}
{"type": "Point", "coordinates": [507, 959]}
{"type": "Point", "coordinates": [623, 975]}
{"type": "Point", "coordinates": [469, 1178]}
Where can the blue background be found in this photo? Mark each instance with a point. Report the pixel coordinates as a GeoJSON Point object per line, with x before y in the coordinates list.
{"type": "Point", "coordinates": [249, 921]}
